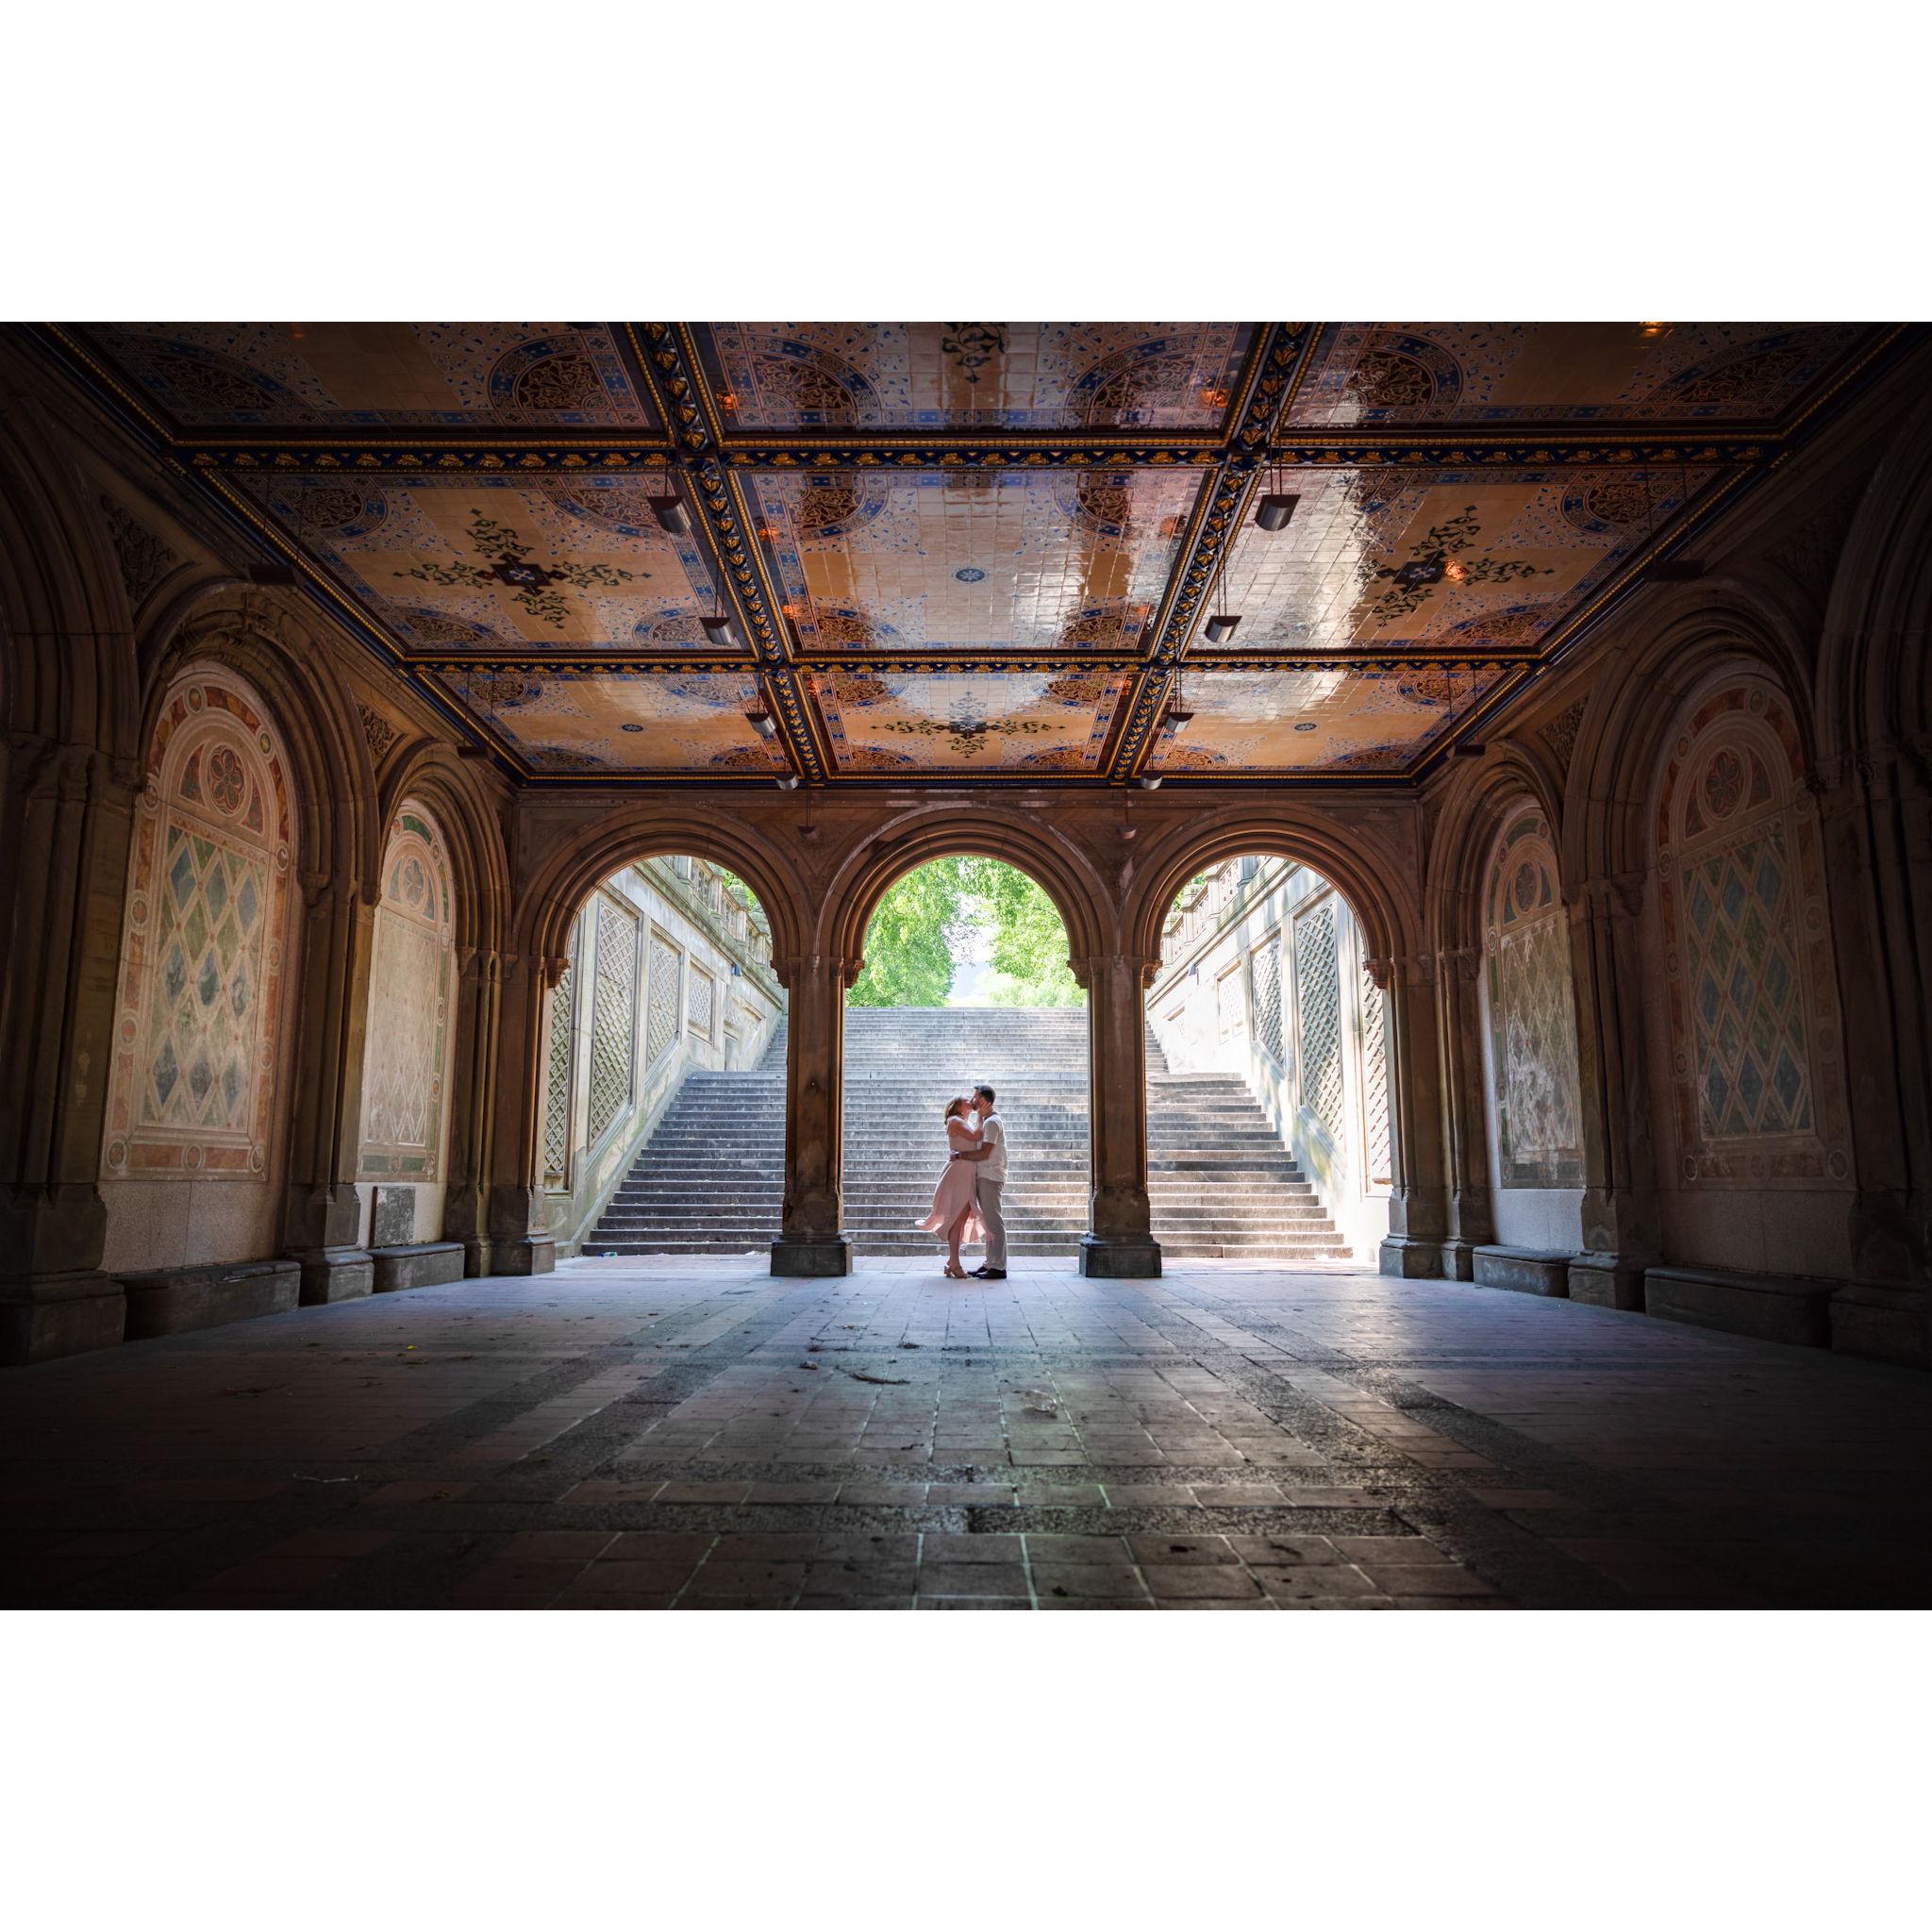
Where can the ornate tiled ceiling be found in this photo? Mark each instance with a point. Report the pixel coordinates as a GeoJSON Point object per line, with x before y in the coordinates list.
{"type": "Point", "coordinates": [971, 549]}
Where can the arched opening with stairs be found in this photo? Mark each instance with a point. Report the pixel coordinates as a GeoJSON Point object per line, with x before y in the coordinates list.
{"type": "Point", "coordinates": [1269, 1094]}
{"type": "Point", "coordinates": [663, 1065]}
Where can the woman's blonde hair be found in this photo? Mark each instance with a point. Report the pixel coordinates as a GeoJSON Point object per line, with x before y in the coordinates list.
{"type": "Point", "coordinates": [954, 1106]}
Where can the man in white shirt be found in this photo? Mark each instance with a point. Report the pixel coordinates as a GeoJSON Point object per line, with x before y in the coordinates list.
{"type": "Point", "coordinates": [992, 1155]}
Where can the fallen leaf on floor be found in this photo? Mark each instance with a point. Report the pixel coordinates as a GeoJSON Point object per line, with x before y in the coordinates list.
{"type": "Point", "coordinates": [884, 1381]}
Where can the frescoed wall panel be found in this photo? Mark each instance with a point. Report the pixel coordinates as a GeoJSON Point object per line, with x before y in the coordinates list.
{"type": "Point", "coordinates": [411, 1000]}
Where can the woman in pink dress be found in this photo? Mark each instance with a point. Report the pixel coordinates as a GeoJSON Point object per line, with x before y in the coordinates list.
{"type": "Point", "coordinates": [955, 1201]}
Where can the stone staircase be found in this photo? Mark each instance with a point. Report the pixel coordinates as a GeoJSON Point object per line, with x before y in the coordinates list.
{"type": "Point", "coordinates": [710, 1180]}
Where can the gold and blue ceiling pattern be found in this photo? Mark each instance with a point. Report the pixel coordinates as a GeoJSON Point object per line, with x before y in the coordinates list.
{"type": "Point", "coordinates": [907, 552]}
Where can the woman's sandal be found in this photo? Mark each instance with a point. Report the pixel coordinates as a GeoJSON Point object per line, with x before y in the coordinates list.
{"type": "Point", "coordinates": [955, 1273]}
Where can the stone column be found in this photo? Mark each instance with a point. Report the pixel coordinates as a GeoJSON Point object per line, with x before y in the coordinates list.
{"type": "Point", "coordinates": [321, 1217]}
{"type": "Point", "coordinates": [1875, 820]}
{"type": "Point", "coordinates": [811, 1239]}
{"type": "Point", "coordinates": [473, 1105]}
{"type": "Point", "coordinates": [1622, 1234]}
{"type": "Point", "coordinates": [1119, 1243]}
{"type": "Point", "coordinates": [515, 1226]}
{"type": "Point", "coordinates": [1419, 1202]}
{"type": "Point", "coordinates": [66, 820]}
{"type": "Point", "coordinates": [1465, 1118]}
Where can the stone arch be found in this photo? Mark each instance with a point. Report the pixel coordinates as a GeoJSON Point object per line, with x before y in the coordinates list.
{"type": "Point", "coordinates": [1364, 866]}
{"type": "Point", "coordinates": [1875, 673]}
{"type": "Point", "coordinates": [64, 608]}
{"type": "Point", "coordinates": [564, 878]}
{"type": "Point", "coordinates": [1475, 805]}
{"type": "Point", "coordinates": [1755, 1041]}
{"type": "Point", "coordinates": [254, 637]}
{"type": "Point", "coordinates": [918, 837]}
{"type": "Point", "coordinates": [1696, 636]}
{"type": "Point", "coordinates": [205, 982]}
{"type": "Point", "coordinates": [473, 834]}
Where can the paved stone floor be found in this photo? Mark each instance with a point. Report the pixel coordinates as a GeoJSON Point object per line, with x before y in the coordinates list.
{"type": "Point", "coordinates": [698, 1434]}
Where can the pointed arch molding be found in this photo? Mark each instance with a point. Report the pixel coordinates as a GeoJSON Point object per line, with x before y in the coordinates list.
{"type": "Point", "coordinates": [413, 1000]}
{"type": "Point", "coordinates": [203, 979]}
{"type": "Point", "coordinates": [1756, 1055]}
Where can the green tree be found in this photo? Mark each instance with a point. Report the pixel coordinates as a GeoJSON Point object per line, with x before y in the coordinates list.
{"type": "Point", "coordinates": [909, 945]}
{"type": "Point", "coordinates": [1029, 941]}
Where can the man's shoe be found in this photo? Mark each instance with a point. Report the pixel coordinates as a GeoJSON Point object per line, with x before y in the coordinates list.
{"type": "Point", "coordinates": [991, 1273]}
{"type": "Point", "coordinates": [981, 1269]}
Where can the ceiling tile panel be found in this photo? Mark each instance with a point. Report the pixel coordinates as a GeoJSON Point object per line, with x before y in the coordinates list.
{"type": "Point", "coordinates": [1036, 560]}
{"type": "Point", "coordinates": [350, 375]}
{"type": "Point", "coordinates": [1460, 560]}
{"type": "Point", "coordinates": [923, 375]}
{"type": "Point", "coordinates": [1385, 374]}
{"type": "Point", "coordinates": [944, 721]}
{"type": "Point", "coordinates": [469, 561]}
{"type": "Point", "coordinates": [574, 721]}
{"type": "Point", "coordinates": [1320, 719]}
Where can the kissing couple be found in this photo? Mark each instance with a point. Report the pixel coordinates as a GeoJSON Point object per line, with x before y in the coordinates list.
{"type": "Point", "coordinates": [966, 1203]}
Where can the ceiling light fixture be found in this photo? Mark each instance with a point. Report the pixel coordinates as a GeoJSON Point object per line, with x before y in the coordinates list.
{"type": "Point", "coordinates": [762, 722]}
{"type": "Point", "coordinates": [673, 516]}
{"type": "Point", "coordinates": [1274, 509]}
{"type": "Point", "coordinates": [788, 783]}
{"type": "Point", "coordinates": [1653, 332]}
{"type": "Point", "coordinates": [1221, 625]}
{"type": "Point", "coordinates": [1178, 716]}
{"type": "Point", "coordinates": [1151, 782]}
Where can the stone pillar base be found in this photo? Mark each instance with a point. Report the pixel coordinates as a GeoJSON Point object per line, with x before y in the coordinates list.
{"type": "Point", "coordinates": [808, 1255]}
{"type": "Point", "coordinates": [1607, 1281]}
{"type": "Point", "coordinates": [1411, 1258]}
{"type": "Point", "coordinates": [1112, 1258]}
{"type": "Point", "coordinates": [1458, 1260]}
{"type": "Point", "coordinates": [534, 1254]}
{"type": "Point", "coordinates": [334, 1275]}
{"type": "Point", "coordinates": [42, 1316]}
{"type": "Point", "coordinates": [479, 1258]}
{"type": "Point", "coordinates": [1883, 1319]}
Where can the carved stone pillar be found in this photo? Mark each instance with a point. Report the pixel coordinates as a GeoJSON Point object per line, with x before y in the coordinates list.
{"type": "Point", "coordinates": [472, 1105]}
{"type": "Point", "coordinates": [1119, 1243]}
{"type": "Point", "coordinates": [1621, 1230]}
{"type": "Point", "coordinates": [1876, 823]}
{"type": "Point", "coordinates": [1465, 1123]}
{"type": "Point", "coordinates": [811, 1239]}
{"type": "Point", "coordinates": [67, 818]}
{"type": "Point", "coordinates": [515, 1228]}
{"type": "Point", "coordinates": [1419, 1201]}
{"type": "Point", "coordinates": [321, 1219]}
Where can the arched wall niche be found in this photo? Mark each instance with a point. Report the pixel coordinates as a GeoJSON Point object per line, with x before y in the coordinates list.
{"type": "Point", "coordinates": [1533, 1105]}
{"type": "Point", "coordinates": [197, 1091]}
{"type": "Point", "coordinates": [1754, 1154]}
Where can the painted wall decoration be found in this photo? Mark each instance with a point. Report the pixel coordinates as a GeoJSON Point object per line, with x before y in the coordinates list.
{"type": "Point", "coordinates": [787, 375]}
{"type": "Point", "coordinates": [1351, 717]}
{"type": "Point", "coordinates": [661, 1026]}
{"type": "Point", "coordinates": [1039, 559]}
{"type": "Point", "coordinates": [1378, 1143]}
{"type": "Point", "coordinates": [572, 719]}
{"type": "Point", "coordinates": [200, 1005]}
{"type": "Point", "coordinates": [386, 375]}
{"type": "Point", "coordinates": [1365, 374]}
{"type": "Point", "coordinates": [1264, 970]}
{"type": "Point", "coordinates": [959, 721]}
{"type": "Point", "coordinates": [1756, 1044]}
{"type": "Point", "coordinates": [1532, 1011]}
{"type": "Point", "coordinates": [411, 1002]}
